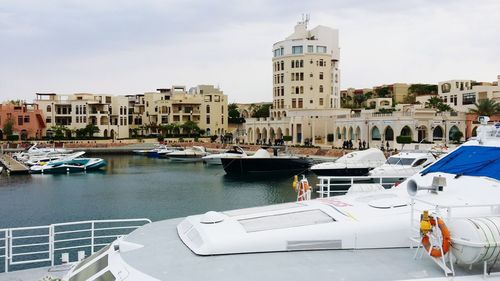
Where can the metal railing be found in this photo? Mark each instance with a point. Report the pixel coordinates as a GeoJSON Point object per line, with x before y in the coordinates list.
{"type": "Point", "coordinates": [55, 244]}
{"type": "Point", "coordinates": [329, 186]}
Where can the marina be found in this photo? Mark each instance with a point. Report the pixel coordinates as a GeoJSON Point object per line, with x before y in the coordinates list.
{"type": "Point", "coordinates": [147, 141]}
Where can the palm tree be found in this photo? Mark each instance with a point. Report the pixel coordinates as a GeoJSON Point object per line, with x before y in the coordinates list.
{"type": "Point", "coordinates": [433, 102]}
{"type": "Point", "coordinates": [486, 107]}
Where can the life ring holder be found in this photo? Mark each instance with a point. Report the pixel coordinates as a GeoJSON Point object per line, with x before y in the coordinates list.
{"type": "Point", "coordinates": [436, 251]}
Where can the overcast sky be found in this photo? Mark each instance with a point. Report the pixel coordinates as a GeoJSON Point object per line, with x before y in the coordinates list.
{"type": "Point", "coordinates": [129, 47]}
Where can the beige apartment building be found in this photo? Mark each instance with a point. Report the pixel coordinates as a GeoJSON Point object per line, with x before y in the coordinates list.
{"type": "Point", "coordinates": [205, 104]}
{"type": "Point", "coordinates": [76, 111]}
{"type": "Point", "coordinates": [461, 95]}
{"type": "Point", "coordinates": [306, 78]}
{"type": "Point", "coordinates": [117, 116]}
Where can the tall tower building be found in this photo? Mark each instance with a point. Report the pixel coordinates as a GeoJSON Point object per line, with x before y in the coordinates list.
{"type": "Point", "coordinates": [306, 70]}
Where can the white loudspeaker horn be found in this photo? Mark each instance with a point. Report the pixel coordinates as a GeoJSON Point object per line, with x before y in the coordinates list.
{"type": "Point", "coordinates": [437, 185]}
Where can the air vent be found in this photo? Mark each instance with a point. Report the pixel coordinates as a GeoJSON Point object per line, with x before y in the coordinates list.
{"type": "Point", "coordinates": [313, 245]}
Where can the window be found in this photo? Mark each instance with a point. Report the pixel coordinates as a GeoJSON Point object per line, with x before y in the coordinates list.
{"type": "Point", "coordinates": [282, 78]}
{"type": "Point", "coordinates": [300, 105]}
{"type": "Point", "coordinates": [301, 89]}
{"type": "Point", "coordinates": [293, 76]}
{"type": "Point", "coordinates": [321, 49]}
{"type": "Point", "coordinates": [288, 220]}
{"type": "Point", "coordinates": [208, 119]}
{"type": "Point", "coordinates": [282, 65]}
{"type": "Point", "coordinates": [208, 108]}
{"type": "Point", "coordinates": [222, 119]}
{"type": "Point", "coordinates": [217, 98]}
{"type": "Point", "coordinates": [321, 88]}
{"type": "Point", "coordinates": [310, 101]}
{"type": "Point", "coordinates": [321, 76]}
{"type": "Point", "coordinates": [222, 109]}
{"type": "Point", "coordinates": [297, 76]}
{"type": "Point", "coordinates": [301, 63]}
{"type": "Point", "coordinates": [294, 103]}
{"type": "Point", "coordinates": [48, 120]}
{"type": "Point", "coordinates": [282, 90]}
{"type": "Point", "coordinates": [320, 101]}
{"type": "Point", "coordinates": [293, 64]}
{"type": "Point", "coordinates": [297, 90]}
{"type": "Point", "coordinates": [20, 120]}
{"type": "Point", "coordinates": [49, 108]}
{"type": "Point", "coordinates": [26, 118]}
{"type": "Point", "coordinates": [302, 76]}
{"type": "Point", "coordinates": [208, 98]}
{"type": "Point", "coordinates": [297, 50]}
{"type": "Point", "coordinates": [469, 98]}
{"type": "Point", "coordinates": [310, 49]}
{"type": "Point", "coordinates": [419, 162]}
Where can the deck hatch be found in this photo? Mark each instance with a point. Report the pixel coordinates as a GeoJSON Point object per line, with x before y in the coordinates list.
{"type": "Point", "coordinates": [264, 209]}
{"type": "Point", "coordinates": [288, 220]}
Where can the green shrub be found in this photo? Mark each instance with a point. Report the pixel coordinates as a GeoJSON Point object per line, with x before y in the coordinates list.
{"type": "Point", "coordinates": [13, 138]}
{"type": "Point", "coordinates": [287, 138]}
{"type": "Point", "coordinates": [403, 139]}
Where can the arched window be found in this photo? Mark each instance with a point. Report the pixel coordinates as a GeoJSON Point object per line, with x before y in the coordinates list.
{"type": "Point", "coordinates": [437, 134]}
{"type": "Point", "coordinates": [389, 134]}
{"type": "Point", "coordinates": [301, 89]}
{"type": "Point", "coordinates": [49, 108]}
{"type": "Point", "coordinates": [339, 136]}
{"type": "Point", "coordinates": [474, 132]}
{"type": "Point", "coordinates": [376, 134]}
{"type": "Point", "coordinates": [454, 133]}
{"type": "Point", "coordinates": [406, 131]}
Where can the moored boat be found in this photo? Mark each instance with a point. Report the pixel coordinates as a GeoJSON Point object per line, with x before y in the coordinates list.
{"type": "Point", "coordinates": [215, 159]}
{"type": "Point", "coordinates": [69, 166]}
{"type": "Point", "coordinates": [356, 163]}
{"type": "Point", "coordinates": [191, 154]}
{"type": "Point", "coordinates": [263, 163]}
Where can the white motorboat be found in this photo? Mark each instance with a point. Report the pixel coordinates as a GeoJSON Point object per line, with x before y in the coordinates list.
{"type": "Point", "coordinates": [404, 164]}
{"type": "Point", "coordinates": [1, 170]}
{"type": "Point", "coordinates": [356, 163]}
{"type": "Point", "coordinates": [191, 154]}
{"type": "Point", "coordinates": [35, 150]}
{"type": "Point", "coordinates": [42, 159]}
{"type": "Point", "coordinates": [215, 159]}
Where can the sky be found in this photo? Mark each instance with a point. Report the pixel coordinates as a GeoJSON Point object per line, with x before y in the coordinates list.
{"type": "Point", "coordinates": [128, 47]}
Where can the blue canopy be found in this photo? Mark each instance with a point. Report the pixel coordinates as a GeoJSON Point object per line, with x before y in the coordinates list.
{"type": "Point", "coordinates": [470, 161]}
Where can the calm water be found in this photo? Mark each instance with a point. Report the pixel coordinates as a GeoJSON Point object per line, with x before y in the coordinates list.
{"type": "Point", "coordinates": [133, 187]}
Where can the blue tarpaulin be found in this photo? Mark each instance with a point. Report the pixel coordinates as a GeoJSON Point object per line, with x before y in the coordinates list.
{"type": "Point", "coordinates": [470, 161]}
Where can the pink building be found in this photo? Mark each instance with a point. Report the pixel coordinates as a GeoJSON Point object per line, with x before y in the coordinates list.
{"type": "Point", "coordinates": [28, 120]}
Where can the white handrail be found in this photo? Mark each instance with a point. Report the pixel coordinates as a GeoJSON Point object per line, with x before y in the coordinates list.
{"type": "Point", "coordinates": [37, 249]}
{"type": "Point", "coordinates": [340, 184]}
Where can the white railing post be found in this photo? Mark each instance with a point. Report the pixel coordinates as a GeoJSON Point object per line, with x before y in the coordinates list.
{"type": "Point", "coordinates": [8, 255]}
{"type": "Point", "coordinates": [92, 239]}
{"type": "Point", "coordinates": [51, 244]}
{"type": "Point", "coordinates": [6, 251]}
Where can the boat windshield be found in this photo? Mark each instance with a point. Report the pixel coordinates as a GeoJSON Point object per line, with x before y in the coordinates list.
{"type": "Point", "coordinates": [470, 161]}
{"type": "Point", "coordinates": [399, 161]}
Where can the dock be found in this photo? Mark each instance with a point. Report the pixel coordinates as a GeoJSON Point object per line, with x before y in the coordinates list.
{"type": "Point", "coordinates": [13, 166]}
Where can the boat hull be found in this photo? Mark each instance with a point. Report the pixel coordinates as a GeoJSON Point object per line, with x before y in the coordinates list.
{"type": "Point", "coordinates": [244, 166]}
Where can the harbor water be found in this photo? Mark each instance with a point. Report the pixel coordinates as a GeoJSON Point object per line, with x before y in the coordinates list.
{"type": "Point", "coordinates": [134, 187]}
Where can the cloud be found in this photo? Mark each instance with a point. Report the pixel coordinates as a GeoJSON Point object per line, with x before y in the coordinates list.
{"type": "Point", "coordinates": [123, 47]}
